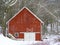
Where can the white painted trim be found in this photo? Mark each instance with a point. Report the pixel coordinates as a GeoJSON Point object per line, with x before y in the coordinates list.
{"type": "Point", "coordinates": [20, 11]}
{"type": "Point", "coordinates": [29, 32]}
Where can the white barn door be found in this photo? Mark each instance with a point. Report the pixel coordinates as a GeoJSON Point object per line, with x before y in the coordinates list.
{"type": "Point", "coordinates": [29, 36]}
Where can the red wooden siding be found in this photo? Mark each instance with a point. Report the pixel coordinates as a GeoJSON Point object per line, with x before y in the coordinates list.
{"type": "Point", "coordinates": [38, 36]}
{"type": "Point", "coordinates": [24, 22]}
{"type": "Point", "coordinates": [21, 35]}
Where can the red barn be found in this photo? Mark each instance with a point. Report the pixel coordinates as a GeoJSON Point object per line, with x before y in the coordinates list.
{"type": "Point", "coordinates": [25, 26]}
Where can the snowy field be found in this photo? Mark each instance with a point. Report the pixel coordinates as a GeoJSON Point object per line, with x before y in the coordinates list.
{"type": "Point", "coordinates": [51, 40]}
{"type": "Point", "coordinates": [7, 41]}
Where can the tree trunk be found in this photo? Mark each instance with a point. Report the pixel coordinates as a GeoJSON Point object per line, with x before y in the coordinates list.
{"type": "Point", "coordinates": [57, 28]}
{"type": "Point", "coordinates": [51, 28]}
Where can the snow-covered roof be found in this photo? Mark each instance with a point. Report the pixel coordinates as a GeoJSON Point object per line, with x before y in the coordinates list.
{"type": "Point", "coordinates": [29, 11]}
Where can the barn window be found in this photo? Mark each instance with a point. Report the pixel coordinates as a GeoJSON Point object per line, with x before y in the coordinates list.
{"type": "Point", "coordinates": [16, 34]}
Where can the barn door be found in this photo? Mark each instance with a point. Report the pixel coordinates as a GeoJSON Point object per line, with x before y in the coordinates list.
{"type": "Point", "coordinates": [29, 36]}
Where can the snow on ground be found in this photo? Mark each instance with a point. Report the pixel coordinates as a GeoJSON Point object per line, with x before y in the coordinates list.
{"type": "Point", "coordinates": [7, 41]}
{"type": "Point", "coordinates": [51, 40]}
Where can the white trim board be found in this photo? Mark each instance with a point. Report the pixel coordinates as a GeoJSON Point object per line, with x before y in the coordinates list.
{"type": "Point", "coordinates": [20, 11]}
{"type": "Point", "coordinates": [29, 32]}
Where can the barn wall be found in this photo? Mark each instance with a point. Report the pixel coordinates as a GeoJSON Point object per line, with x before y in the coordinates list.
{"type": "Point", "coordinates": [25, 22]}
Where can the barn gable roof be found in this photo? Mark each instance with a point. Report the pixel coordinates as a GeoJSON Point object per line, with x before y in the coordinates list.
{"type": "Point", "coordinates": [29, 11]}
